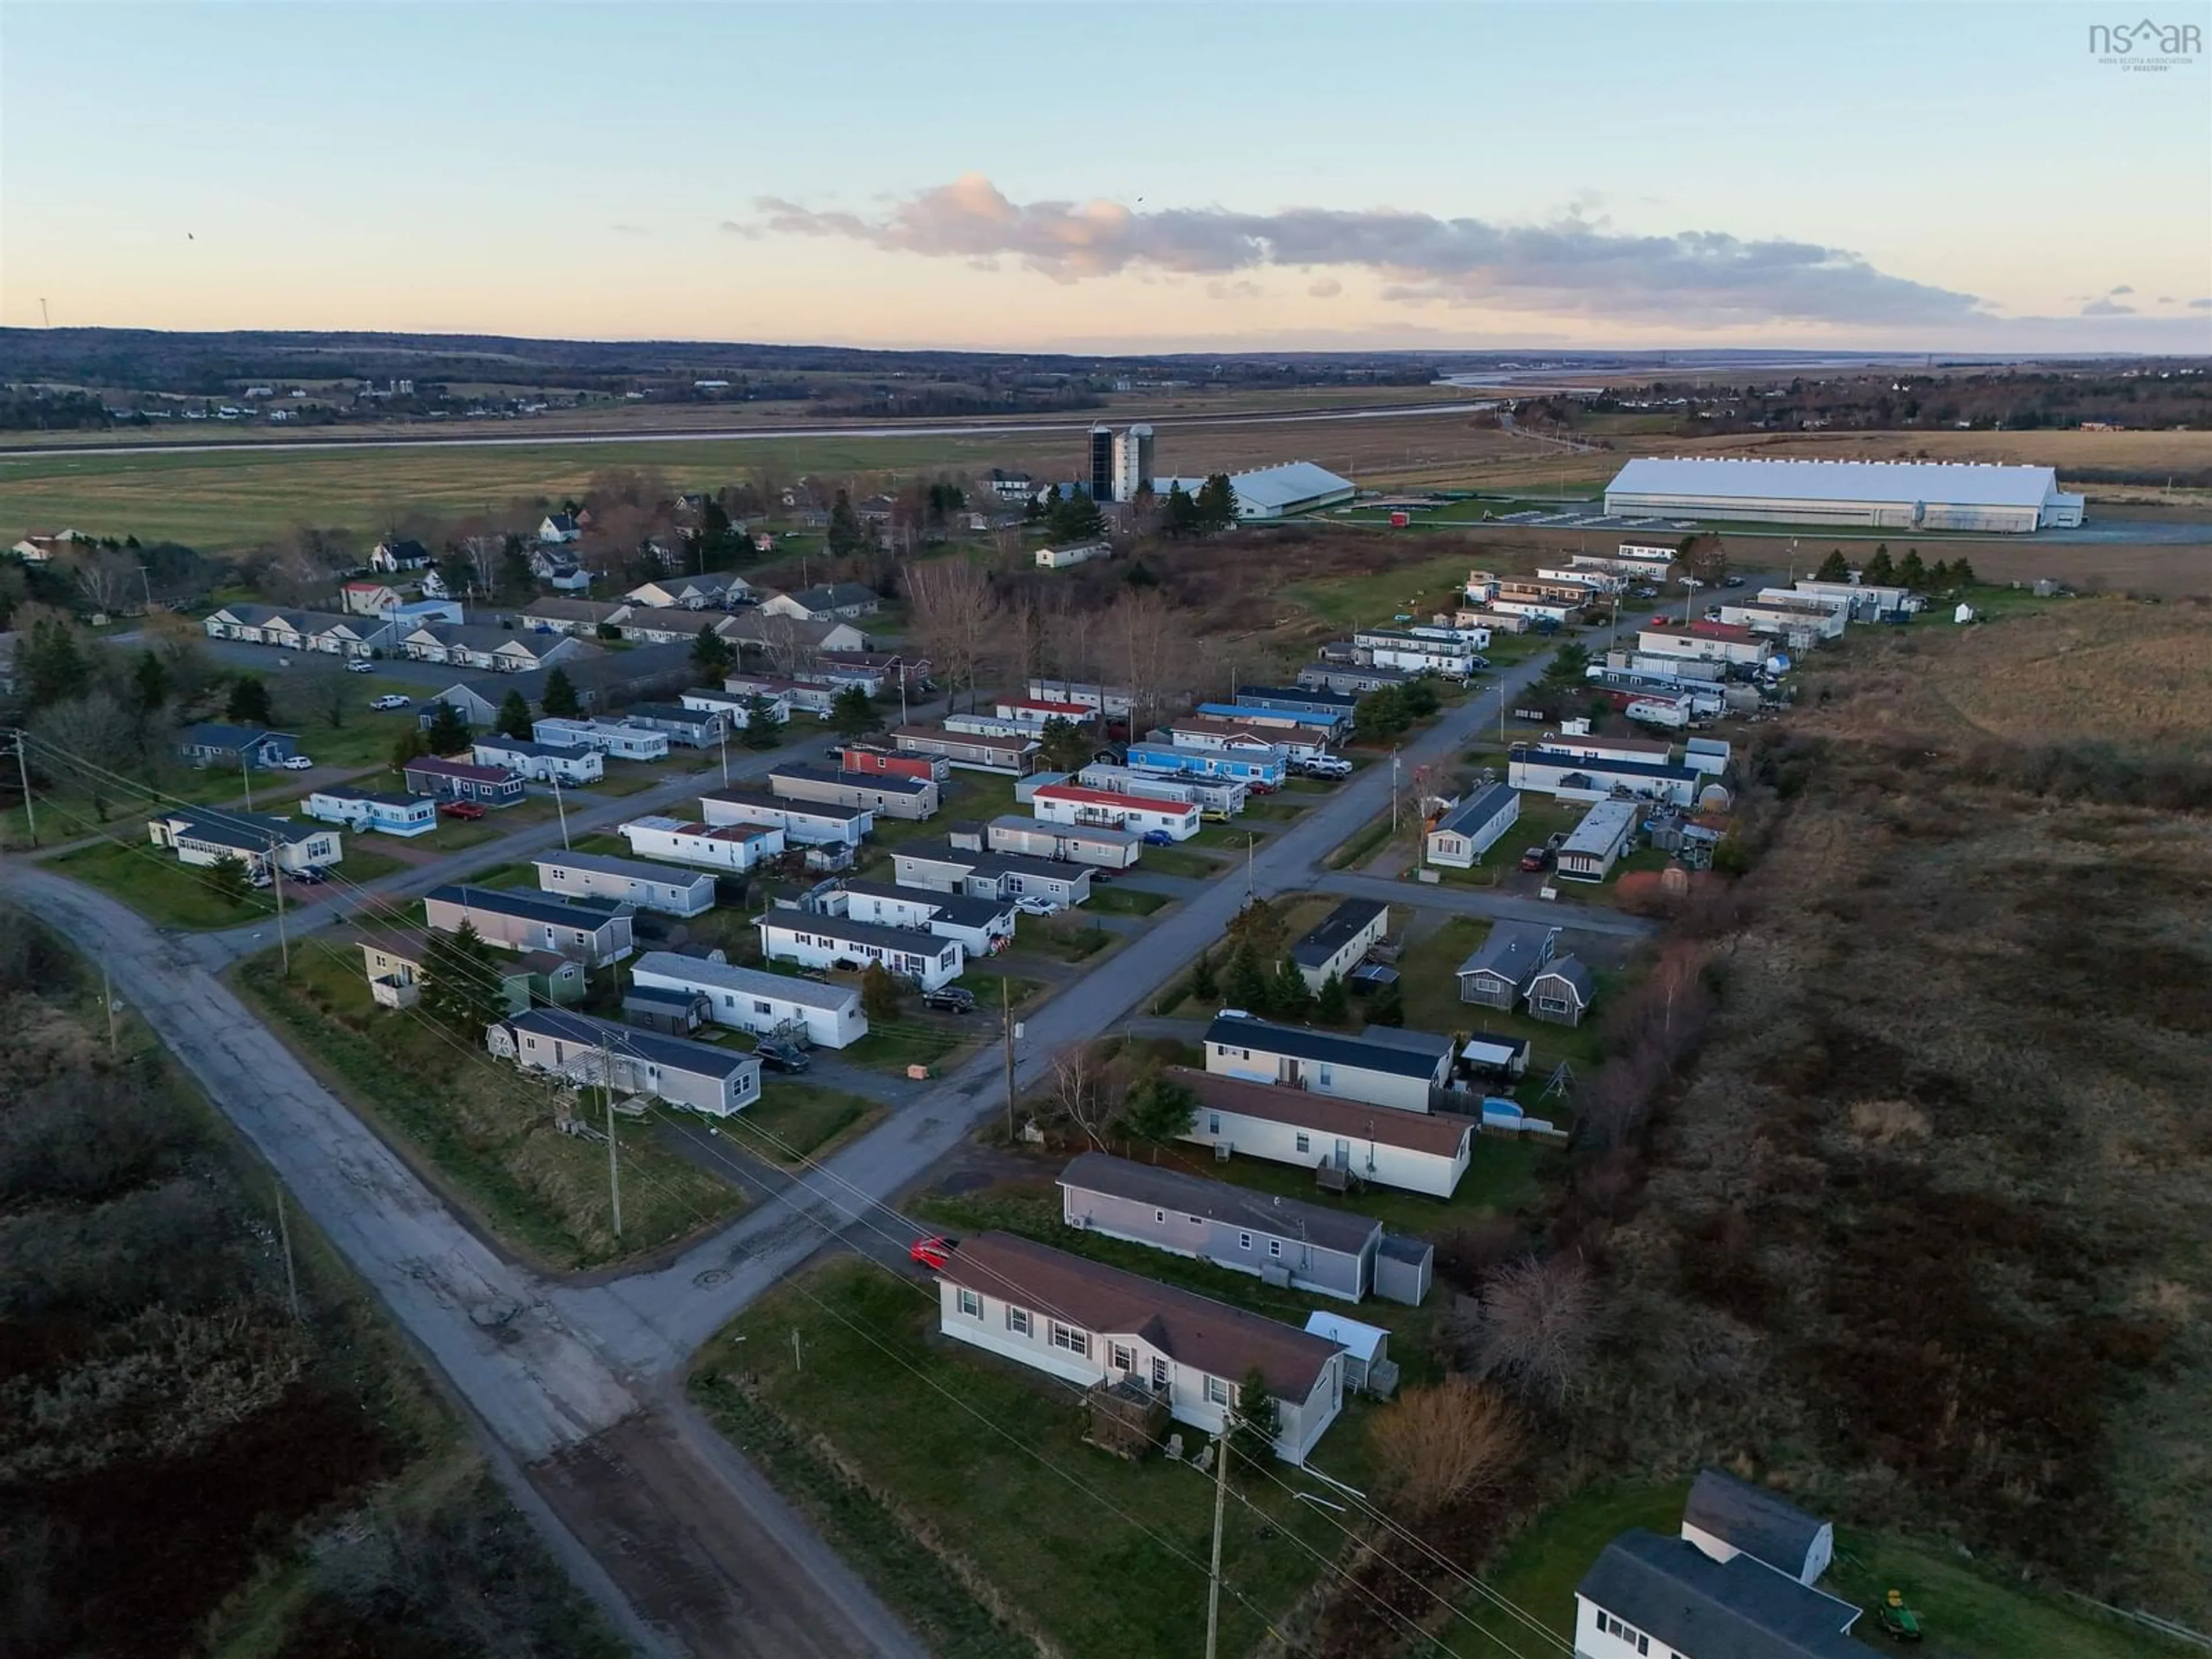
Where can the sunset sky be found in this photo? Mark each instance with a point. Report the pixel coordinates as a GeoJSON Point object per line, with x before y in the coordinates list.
{"type": "Point", "coordinates": [1206, 176]}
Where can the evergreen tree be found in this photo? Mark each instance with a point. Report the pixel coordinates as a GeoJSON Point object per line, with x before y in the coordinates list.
{"type": "Point", "coordinates": [1568, 665]}
{"type": "Point", "coordinates": [880, 994]}
{"type": "Point", "coordinates": [1879, 572]}
{"type": "Point", "coordinates": [1075, 518]}
{"type": "Point", "coordinates": [1910, 573]}
{"type": "Point", "coordinates": [1380, 715]}
{"type": "Point", "coordinates": [1033, 509]}
{"type": "Point", "coordinates": [49, 664]}
{"type": "Point", "coordinates": [1062, 746]}
{"type": "Point", "coordinates": [1333, 1006]}
{"type": "Point", "coordinates": [1962, 574]}
{"type": "Point", "coordinates": [149, 682]}
{"type": "Point", "coordinates": [711, 654]}
{"type": "Point", "coordinates": [1939, 576]}
{"type": "Point", "coordinates": [232, 882]}
{"type": "Point", "coordinates": [1419, 695]}
{"type": "Point", "coordinates": [1834, 568]}
{"type": "Point", "coordinates": [846, 534]}
{"type": "Point", "coordinates": [1158, 1108]}
{"type": "Point", "coordinates": [460, 983]}
{"type": "Point", "coordinates": [852, 712]}
{"type": "Point", "coordinates": [1258, 1420]}
{"type": "Point", "coordinates": [1247, 984]}
{"type": "Point", "coordinates": [1217, 504]}
{"type": "Point", "coordinates": [412, 745]}
{"type": "Point", "coordinates": [516, 580]}
{"type": "Point", "coordinates": [1203, 985]}
{"type": "Point", "coordinates": [559, 698]}
{"type": "Point", "coordinates": [447, 733]}
{"type": "Point", "coordinates": [457, 571]}
{"type": "Point", "coordinates": [248, 703]}
{"type": "Point", "coordinates": [1289, 997]}
{"type": "Point", "coordinates": [1180, 516]}
{"type": "Point", "coordinates": [513, 720]}
{"type": "Point", "coordinates": [1387, 1007]}
{"type": "Point", "coordinates": [760, 723]}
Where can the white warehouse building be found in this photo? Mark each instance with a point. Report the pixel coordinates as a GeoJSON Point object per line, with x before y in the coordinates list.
{"type": "Point", "coordinates": [1877, 495]}
{"type": "Point", "coordinates": [1274, 492]}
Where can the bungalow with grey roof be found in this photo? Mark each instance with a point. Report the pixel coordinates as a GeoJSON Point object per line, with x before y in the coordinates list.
{"type": "Point", "coordinates": [814, 940]}
{"type": "Point", "coordinates": [719, 1082]}
{"type": "Point", "coordinates": [203, 836]}
{"type": "Point", "coordinates": [831, 601]}
{"type": "Point", "coordinates": [589, 933]}
{"type": "Point", "coordinates": [1471, 828]}
{"type": "Point", "coordinates": [1383, 1066]}
{"type": "Point", "coordinates": [887, 796]}
{"type": "Point", "coordinates": [216, 744]}
{"type": "Point", "coordinates": [1498, 971]}
{"type": "Point", "coordinates": [752, 1000]}
{"type": "Point", "coordinates": [1339, 941]}
{"type": "Point", "coordinates": [1648, 1595]}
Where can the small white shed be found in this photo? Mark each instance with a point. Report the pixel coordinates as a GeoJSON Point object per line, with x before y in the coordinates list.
{"type": "Point", "coordinates": [1366, 1359]}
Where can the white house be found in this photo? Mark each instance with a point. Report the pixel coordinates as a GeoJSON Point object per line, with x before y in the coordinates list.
{"type": "Point", "coordinates": [1095, 1326]}
{"type": "Point", "coordinates": [941, 867]}
{"type": "Point", "coordinates": [627, 881]}
{"type": "Point", "coordinates": [1412, 1152]}
{"type": "Point", "coordinates": [1059, 558]}
{"type": "Point", "coordinates": [735, 709]}
{"type": "Point", "coordinates": [1111, 700]}
{"type": "Point", "coordinates": [719, 1082]}
{"type": "Point", "coordinates": [1471, 828]}
{"type": "Point", "coordinates": [616, 738]}
{"type": "Point", "coordinates": [713, 590]}
{"type": "Point", "coordinates": [1798, 624]}
{"type": "Point", "coordinates": [829, 602]}
{"type": "Point", "coordinates": [1341, 941]}
{"type": "Point", "coordinates": [764, 1004]}
{"type": "Point", "coordinates": [1595, 844]}
{"type": "Point", "coordinates": [1073, 843]}
{"type": "Point", "coordinates": [1207, 794]}
{"type": "Point", "coordinates": [540, 762]}
{"type": "Point", "coordinates": [1572, 777]}
{"type": "Point", "coordinates": [886, 795]}
{"type": "Point", "coordinates": [393, 812]}
{"type": "Point", "coordinates": [558, 529]}
{"type": "Point", "coordinates": [1416, 654]}
{"type": "Point", "coordinates": [815, 940]}
{"type": "Point", "coordinates": [736, 848]}
{"type": "Point", "coordinates": [1302, 740]}
{"type": "Point", "coordinates": [203, 836]}
{"type": "Point", "coordinates": [1650, 1596]}
{"type": "Point", "coordinates": [1072, 804]}
{"type": "Point", "coordinates": [803, 823]}
{"type": "Point", "coordinates": [982, 925]}
{"type": "Point", "coordinates": [1383, 1066]}
{"type": "Point", "coordinates": [1702, 644]}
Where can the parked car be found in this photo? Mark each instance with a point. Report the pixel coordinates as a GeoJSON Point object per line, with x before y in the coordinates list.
{"type": "Point", "coordinates": [461, 809]}
{"type": "Point", "coordinates": [311, 875]}
{"type": "Point", "coordinates": [1030, 905]}
{"type": "Point", "coordinates": [1732, 581]}
{"type": "Point", "coordinates": [1328, 766]}
{"type": "Point", "coordinates": [1206, 815]}
{"type": "Point", "coordinates": [390, 700]}
{"type": "Point", "coordinates": [1647, 592]}
{"type": "Point", "coordinates": [1534, 858]}
{"type": "Point", "coordinates": [1097, 876]}
{"type": "Point", "coordinates": [1476, 665]}
{"type": "Point", "coordinates": [949, 999]}
{"type": "Point", "coordinates": [297, 764]}
{"type": "Point", "coordinates": [1257, 788]}
{"type": "Point", "coordinates": [359, 667]}
{"type": "Point", "coordinates": [933, 1253]}
{"type": "Point", "coordinates": [1158, 838]}
{"type": "Point", "coordinates": [781, 1056]}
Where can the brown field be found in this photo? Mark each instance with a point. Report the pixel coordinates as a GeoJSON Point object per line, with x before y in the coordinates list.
{"type": "Point", "coordinates": [1923, 1235]}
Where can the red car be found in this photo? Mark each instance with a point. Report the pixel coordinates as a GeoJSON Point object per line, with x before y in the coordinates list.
{"type": "Point", "coordinates": [933, 1253]}
{"type": "Point", "coordinates": [1536, 858]}
{"type": "Point", "coordinates": [461, 809]}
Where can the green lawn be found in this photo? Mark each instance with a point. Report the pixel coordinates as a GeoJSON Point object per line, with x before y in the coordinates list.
{"type": "Point", "coordinates": [910, 1040]}
{"type": "Point", "coordinates": [366, 863]}
{"type": "Point", "coordinates": [513, 874]}
{"type": "Point", "coordinates": [151, 881]}
{"type": "Point", "coordinates": [1067, 936]}
{"type": "Point", "coordinates": [1179, 861]}
{"type": "Point", "coordinates": [485, 1128]}
{"type": "Point", "coordinates": [1418, 586]}
{"type": "Point", "coordinates": [1430, 986]}
{"type": "Point", "coordinates": [1965, 1614]}
{"type": "Point", "coordinates": [991, 985]}
{"type": "Point", "coordinates": [622, 778]}
{"type": "Point", "coordinates": [981, 1454]}
{"type": "Point", "coordinates": [795, 1121]}
{"type": "Point", "coordinates": [1118, 901]}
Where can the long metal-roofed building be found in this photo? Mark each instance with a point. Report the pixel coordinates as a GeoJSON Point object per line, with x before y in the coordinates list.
{"type": "Point", "coordinates": [1875, 495]}
{"type": "Point", "coordinates": [1274, 492]}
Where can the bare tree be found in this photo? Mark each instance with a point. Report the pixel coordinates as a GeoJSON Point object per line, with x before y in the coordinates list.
{"type": "Point", "coordinates": [325, 687]}
{"type": "Point", "coordinates": [957, 618]}
{"type": "Point", "coordinates": [1538, 1319]}
{"type": "Point", "coordinates": [1459, 1439]}
{"type": "Point", "coordinates": [1078, 1089]}
{"type": "Point", "coordinates": [94, 728]}
{"type": "Point", "coordinates": [108, 578]}
{"type": "Point", "coordinates": [1150, 642]}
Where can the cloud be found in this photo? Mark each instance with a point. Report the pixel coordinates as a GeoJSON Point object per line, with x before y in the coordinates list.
{"type": "Point", "coordinates": [627, 230]}
{"type": "Point", "coordinates": [1569, 266]}
{"type": "Point", "coordinates": [2107, 309]}
{"type": "Point", "coordinates": [2117, 292]}
{"type": "Point", "coordinates": [739, 228]}
{"type": "Point", "coordinates": [1325, 288]}
{"type": "Point", "coordinates": [1240, 290]}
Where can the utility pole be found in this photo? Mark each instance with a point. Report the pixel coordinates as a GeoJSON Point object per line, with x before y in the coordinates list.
{"type": "Point", "coordinates": [1394, 788]}
{"type": "Point", "coordinates": [1251, 840]}
{"type": "Point", "coordinates": [291, 1274]}
{"type": "Point", "coordinates": [724, 730]}
{"type": "Point", "coordinates": [23, 772]}
{"type": "Point", "coordinates": [1220, 1503]}
{"type": "Point", "coordinates": [614, 1170]}
{"type": "Point", "coordinates": [1007, 1016]}
{"type": "Point", "coordinates": [107, 996]}
{"type": "Point", "coordinates": [276, 880]}
{"type": "Point", "coordinates": [798, 1363]}
{"type": "Point", "coordinates": [246, 775]}
{"type": "Point", "coordinates": [554, 778]}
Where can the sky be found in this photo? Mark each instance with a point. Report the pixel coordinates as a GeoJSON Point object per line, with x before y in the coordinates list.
{"type": "Point", "coordinates": [1206, 176]}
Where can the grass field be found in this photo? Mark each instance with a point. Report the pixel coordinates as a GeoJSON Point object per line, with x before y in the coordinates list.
{"type": "Point", "coordinates": [151, 881]}
{"type": "Point", "coordinates": [1967, 1614]}
{"type": "Point", "coordinates": [794, 1121]}
{"type": "Point", "coordinates": [486, 1131]}
{"type": "Point", "coordinates": [1431, 990]}
{"type": "Point", "coordinates": [976, 1458]}
{"type": "Point", "coordinates": [1118, 900]}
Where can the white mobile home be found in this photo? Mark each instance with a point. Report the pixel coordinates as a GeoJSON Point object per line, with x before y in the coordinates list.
{"type": "Point", "coordinates": [1572, 777]}
{"type": "Point", "coordinates": [736, 848]}
{"type": "Point", "coordinates": [1471, 828]}
{"type": "Point", "coordinates": [815, 940]}
{"type": "Point", "coordinates": [803, 823]}
{"type": "Point", "coordinates": [1072, 804]}
{"type": "Point", "coordinates": [753, 999]}
{"type": "Point", "coordinates": [1074, 843]}
{"type": "Point", "coordinates": [980, 926]}
{"type": "Point", "coordinates": [1595, 844]}
{"type": "Point", "coordinates": [1412, 1152]}
{"type": "Point", "coordinates": [630, 881]}
{"type": "Point", "coordinates": [1382, 1066]}
{"type": "Point", "coordinates": [540, 762]}
{"type": "Point", "coordinates": [719, 1082]}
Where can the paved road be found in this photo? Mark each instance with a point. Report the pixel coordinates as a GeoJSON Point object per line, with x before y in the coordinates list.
{"type": "Point", "coordinates": [581, 1383]}
{"type": "Point", "coordinates": [694, 1539]}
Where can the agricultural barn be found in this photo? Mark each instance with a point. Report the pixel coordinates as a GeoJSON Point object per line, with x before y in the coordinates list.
{"type": "Point", "coordinates": [1274, 492]}
{"type": "Point", "coordinates": [1878, 495]}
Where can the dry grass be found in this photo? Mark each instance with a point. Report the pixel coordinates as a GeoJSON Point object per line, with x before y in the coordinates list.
{"type": "Point", "coordinates": [1923, 1234]}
